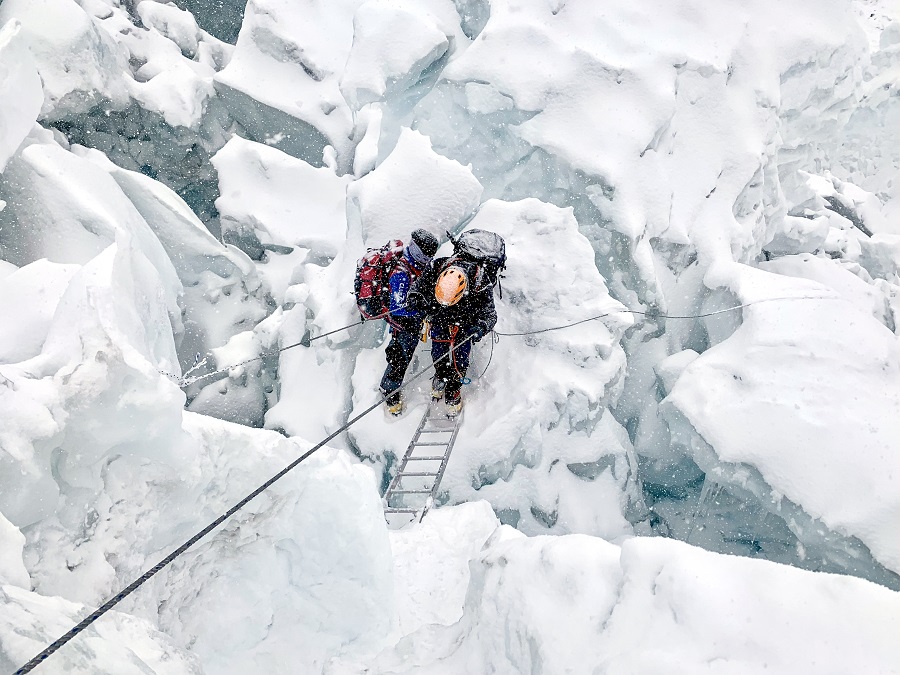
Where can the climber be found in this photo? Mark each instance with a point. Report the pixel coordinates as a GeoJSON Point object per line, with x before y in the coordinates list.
{"type": "Point", "coordinates": [405, 320]}
{"type": "Point", "coordinates": [458, 296]}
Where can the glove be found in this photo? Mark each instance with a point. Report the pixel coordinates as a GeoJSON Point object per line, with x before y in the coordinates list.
{"type": "Point", "coordinates": [416, 302]}
{"type": "Point", "coordinates": [476, 332]}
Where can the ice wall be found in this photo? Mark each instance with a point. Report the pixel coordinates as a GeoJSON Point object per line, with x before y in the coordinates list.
{"type": "Point", "coordinates": [575, 604]}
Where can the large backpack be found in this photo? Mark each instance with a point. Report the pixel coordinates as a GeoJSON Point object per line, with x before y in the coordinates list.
{"type": "Point", "coordinates": [371, 284]}
{"type": "Point", "coordinates": [485, 253]}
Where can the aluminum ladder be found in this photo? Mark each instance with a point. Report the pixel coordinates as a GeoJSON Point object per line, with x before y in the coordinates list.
{"type": "Point", "coordinates": [412, 492]}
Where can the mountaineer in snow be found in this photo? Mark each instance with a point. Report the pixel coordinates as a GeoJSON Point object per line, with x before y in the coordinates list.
{"type": "Point", "coordinates": [457, 293]}
{"type": "Point", "coordinates": [401, 270]}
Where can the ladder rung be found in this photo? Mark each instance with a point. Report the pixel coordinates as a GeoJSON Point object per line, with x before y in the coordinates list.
{"type": "Point", "coordinates": [422, 459]}
{"type": "Point", "coordinates": [436, 431]}
{"type": "Point", "coordinates": [390, 510]}
{"type": "Point", "coordinates": [427, 443]}
{"type": "Point", "coordinates": [416, 473]}
{"type": "Point", "coordinates": [410, 492]}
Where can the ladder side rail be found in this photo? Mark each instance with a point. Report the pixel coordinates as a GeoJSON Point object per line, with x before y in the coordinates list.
{"type": "Point", "coordinates": [440, 474]}
{"type": "Point", "coordinates": [409, 450]}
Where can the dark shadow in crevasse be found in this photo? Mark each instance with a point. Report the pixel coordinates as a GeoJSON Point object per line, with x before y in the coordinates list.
{"type": "Point", "coordinates": [221, 18]}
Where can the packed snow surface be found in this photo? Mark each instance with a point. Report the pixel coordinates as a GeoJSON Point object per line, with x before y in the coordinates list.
{"type": "Point", "coordinates": [697, 335]}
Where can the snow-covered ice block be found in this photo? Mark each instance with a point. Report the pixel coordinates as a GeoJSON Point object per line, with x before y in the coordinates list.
{"type": "Point", "coordinates": [431, 563]}
{"type": "Point", "coordinates": [68, 210]}
{"type": "Point", "coordinates": [880, 255]}
{"type": "Point", "coordinates": [282, 81]}
{"type": "Point", "coordinates": [12, 569]}
{"type": "Point", "coordinates": [825, 376]}
{"type": "Point", "coordinates": [672, 146]}
{"type": "Point", "coordinates": [80, 65]}
{"type": "Point", "coordinates": [303, 573]}
{"type": "Point", "coordinates": [21, 95]}
{"type": "Point", "coordinates": [28, 300]}
{"type": "Point", "coordinates": [178, 25]}
{"type": "Point", "coordinates": [846, 278]}
{"type": "Point", "coordinates": [413, 187]}
{"type": "Point", "coordinates": [392, 46]}
{"type": "Point", "coordinates": [223, 291]}
{"type": "Point", "coordinates": [669, 369]}
{"type": "Point", "coordinates": [280, 199]}
{"type": "Point", "coordinates": [577, 604]}
{"type": "Point", "coordinates": [118, 644]}
{"type": "Point", "coordinates": [798, 235]}
{"type": "Point", "coordinates": [110, 336]}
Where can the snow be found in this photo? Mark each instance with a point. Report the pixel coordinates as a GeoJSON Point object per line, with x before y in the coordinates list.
{"type": "Point", "coordinates": [829, 444]}
{"type": "Point", "coordinates": [80, 65]}
{"type": "Point", "coordinates": [172, 206]}
{"type": "Point", "coordinates": [19, 83]}
{"type": "Point", "coordinates": [12, 571]}
{"type": "Point", "coordinates": [176, 24]}
{"type": "Point", "coordinates": [413, 187]}
{"type": "Point", "coordinates": [289, 57]}
{"type": "Point", "coordinates": [279, 199]}
{"type": "Point", "coordinates": [119, 644]}
{"type": "Point", "coordinates": [28, 301]}
{"type": "Point", "coordinates": [575, 604]}
{"type": "Point", "coordinates": [392, 46]}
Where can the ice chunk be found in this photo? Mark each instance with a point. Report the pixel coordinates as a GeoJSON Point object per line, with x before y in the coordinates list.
{"type": "Point", "coordinates": [291, 590]}
{"type": "Point", "coordinates": [21, 95]}
{"type": "Point", "coordinates": [110, 336]}
{"type": "Point", "coordinates": [68, 210]}
{"type": "Point", "coordinates": [28, 299]}
{"type": "Point", "coordinates": [279, 200]}
{"type": "Point", "coordinates": [848, 279]}
{"type": "Point", "coordinates": [669, 369]}
{"type": "Point", "coordinates": [119, 644]}
{"type": "Point", "coordinates": [79, 63]}
{"type": "Point", "coordinates": [413, 187]}
{"type": "Point", "coordinates": [282, 81]}
{"type": "Point", "coordinates": [825, 377]}
{"type": "Point", "coordinates": [223, 292]}
{"type": "Point", "coordinates": [577, 604]}
{"type": "Point", "coordinates": [431, 563]}
{"type": "Point", "coordinates": [392, 46]}
{"type": "Point", "coordinates": [178, 25]}
{"type": "Point", "coordinates": [12, 569]}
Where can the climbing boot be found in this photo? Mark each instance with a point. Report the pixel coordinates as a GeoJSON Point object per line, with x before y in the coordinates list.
{"type": "Point", "coordinates": [454, 404]}
{"type": "Point", "coordinates": [394, 404]}
{"type": "Point", "coordinates": [438, 384]}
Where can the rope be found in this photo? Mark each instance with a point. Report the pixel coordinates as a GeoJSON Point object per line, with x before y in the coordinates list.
{"type": "Point", "coordinates": [134, 585]}
{"type": "Point", "coordinates": [184, 381]}
{"type": "Point", "coordinates": [656, 315]}
{"type": "Point", "coordinates": [495, 338]}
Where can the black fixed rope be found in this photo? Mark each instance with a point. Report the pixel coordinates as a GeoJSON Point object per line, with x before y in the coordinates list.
{"type": "Point", "coordinates": [134, 585]}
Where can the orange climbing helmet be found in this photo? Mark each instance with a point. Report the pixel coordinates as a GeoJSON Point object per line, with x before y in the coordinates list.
{"type": "Point", "coordinates": [451, 286]}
